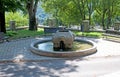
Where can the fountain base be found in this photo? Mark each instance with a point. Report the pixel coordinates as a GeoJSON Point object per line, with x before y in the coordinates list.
{"type": "Point", "coordinates": [62, 53]}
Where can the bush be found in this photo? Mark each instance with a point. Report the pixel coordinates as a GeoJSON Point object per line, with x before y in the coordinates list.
{"type": "Point", "coordinates": [19, 18]}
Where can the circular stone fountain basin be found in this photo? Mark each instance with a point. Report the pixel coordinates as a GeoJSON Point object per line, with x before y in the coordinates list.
{"type": "Point", "coordinates": [45, 48]}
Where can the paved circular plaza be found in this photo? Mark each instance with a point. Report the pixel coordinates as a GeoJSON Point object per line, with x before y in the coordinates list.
{"type": "Point", "coordinates": [18, 51]}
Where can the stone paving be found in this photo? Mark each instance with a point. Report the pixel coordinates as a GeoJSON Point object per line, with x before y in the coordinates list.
{"type": "Point", "coordinates": [19, 49]}
{"type": "Point", "coordinates": [104, 62]}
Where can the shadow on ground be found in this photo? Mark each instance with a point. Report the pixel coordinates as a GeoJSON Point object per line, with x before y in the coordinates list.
{"type": "Point", "coordinates": [52, 68]}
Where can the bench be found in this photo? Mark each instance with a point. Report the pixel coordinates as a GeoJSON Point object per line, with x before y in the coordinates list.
{"type": "Point", "coordinates": [3, 37]}
{"type": "Point", "coordinates": [51, 30]}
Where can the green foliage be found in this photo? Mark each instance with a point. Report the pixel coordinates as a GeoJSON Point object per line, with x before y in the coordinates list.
{"type": "Point", "coordinates": [11, 5]}
{"type": "Point", "coordinates": [63, 10]}
{"type": "Point", "coordinates": [11, 33]}
{"type": "Point", "coordinates": [73, 12]}
{"type": "Point", "coordinates": [92, 34]}
{"type": "Point", "coordinates": [77, 33]}
{"type": "Point", "coordinates": [8, 5]}
{"type": "Point", "coordinates": [19, 18]}
{"type": "Point", "coordinates": [24, 33]}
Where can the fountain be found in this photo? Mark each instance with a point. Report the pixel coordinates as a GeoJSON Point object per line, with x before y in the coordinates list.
{"type": "Point", "coordinates": [63, 44]}
{"type": "Point", "coordinates": [63, 39]}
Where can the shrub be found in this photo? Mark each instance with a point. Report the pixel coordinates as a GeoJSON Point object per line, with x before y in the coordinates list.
{"type": "Point", "coordinates": [19, 18]}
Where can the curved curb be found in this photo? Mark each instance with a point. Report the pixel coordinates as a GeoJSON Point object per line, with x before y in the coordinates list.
{"type": "Point", "coordinates": [79, 53]}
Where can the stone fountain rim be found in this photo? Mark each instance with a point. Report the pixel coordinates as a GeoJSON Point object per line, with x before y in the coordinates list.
{"type": "Point", "coordinates": [62, 54]}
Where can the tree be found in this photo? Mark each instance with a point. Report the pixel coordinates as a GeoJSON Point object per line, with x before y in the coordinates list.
{"type": "Point", "coordinates": [2, 18]}
{"type": "Point", "coordinates": [113, 7]}
{"type": "Point", "coordinates": [7, 5]}
{"type": "Point", "coordinates": [67, 11]}
{"type": "Point", "coordinates": [90, 8]}
{"type": "Point", "coordinates": [71, 12]}
{"type": "Point", "coordinates": [75, 11]}
{"type": "Point", "coordinates": [101, 9]}
{"type": "Point", "coordinates": [31, 6]}
{"type": "Point", "coordinates": [13, 5]}
{"type": "Point", "coordinates": [107, 10]}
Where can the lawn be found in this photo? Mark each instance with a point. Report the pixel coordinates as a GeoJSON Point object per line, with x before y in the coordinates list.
{"type": "Point", "coordinates": [88, 34]}
{"type": "Point", "coordinates": [24, 33]}
{"type": "Point", "coordinates": [40, 32]}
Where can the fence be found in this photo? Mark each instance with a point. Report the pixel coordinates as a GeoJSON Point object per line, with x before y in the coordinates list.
{"type": "Point", "coordinates": [13, 25]}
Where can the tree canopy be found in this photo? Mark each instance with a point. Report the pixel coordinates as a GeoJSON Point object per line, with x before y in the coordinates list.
{"type": "Point", "coordinates": [7, 5]}
{"type": "Point", "coordinates": [103, 12]}
{"type": "Point", "coordinates": [14, 5]}
{"type": "Point", "coordinates": [67, 12]}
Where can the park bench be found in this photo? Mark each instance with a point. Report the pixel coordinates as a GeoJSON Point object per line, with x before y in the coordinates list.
{"type": "Point", "coordinates": [3, 37]}
{"type": "Point", "coordinates": [51, 30]}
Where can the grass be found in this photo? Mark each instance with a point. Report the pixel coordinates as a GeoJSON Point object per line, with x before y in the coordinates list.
{"type": "Point", "coordinates": [24, 33]}
{"type": "Point", "coordinates": [88, 34]}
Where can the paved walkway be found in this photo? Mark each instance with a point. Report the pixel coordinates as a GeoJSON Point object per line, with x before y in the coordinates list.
{"type": "Point", "coordinates": [18, 50]}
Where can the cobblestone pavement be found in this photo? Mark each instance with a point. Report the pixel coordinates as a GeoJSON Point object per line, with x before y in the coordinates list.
{"type": "Point", "coordinates": [104, 61]}
{"type": "Point", "coordinates": [19, 49]}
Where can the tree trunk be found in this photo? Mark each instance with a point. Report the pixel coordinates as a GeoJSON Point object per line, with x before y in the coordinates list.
{"type": "Point", "coordinates": [103, 18]}
{"type": "Point", "coordinates": [89, 19]}
{"type": "Point", "coordinates": [31, 7]}
{"type": "Point", "coordinates": [2, 20]}
{"type": "Point", "coordinates": [32, 23]}
{"type": "Point", "coordinates": [109, 19]}
{"type": "Point", "coordinates": [89, 7]}
{"type": "Point", "coordinates": [103, 23]}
